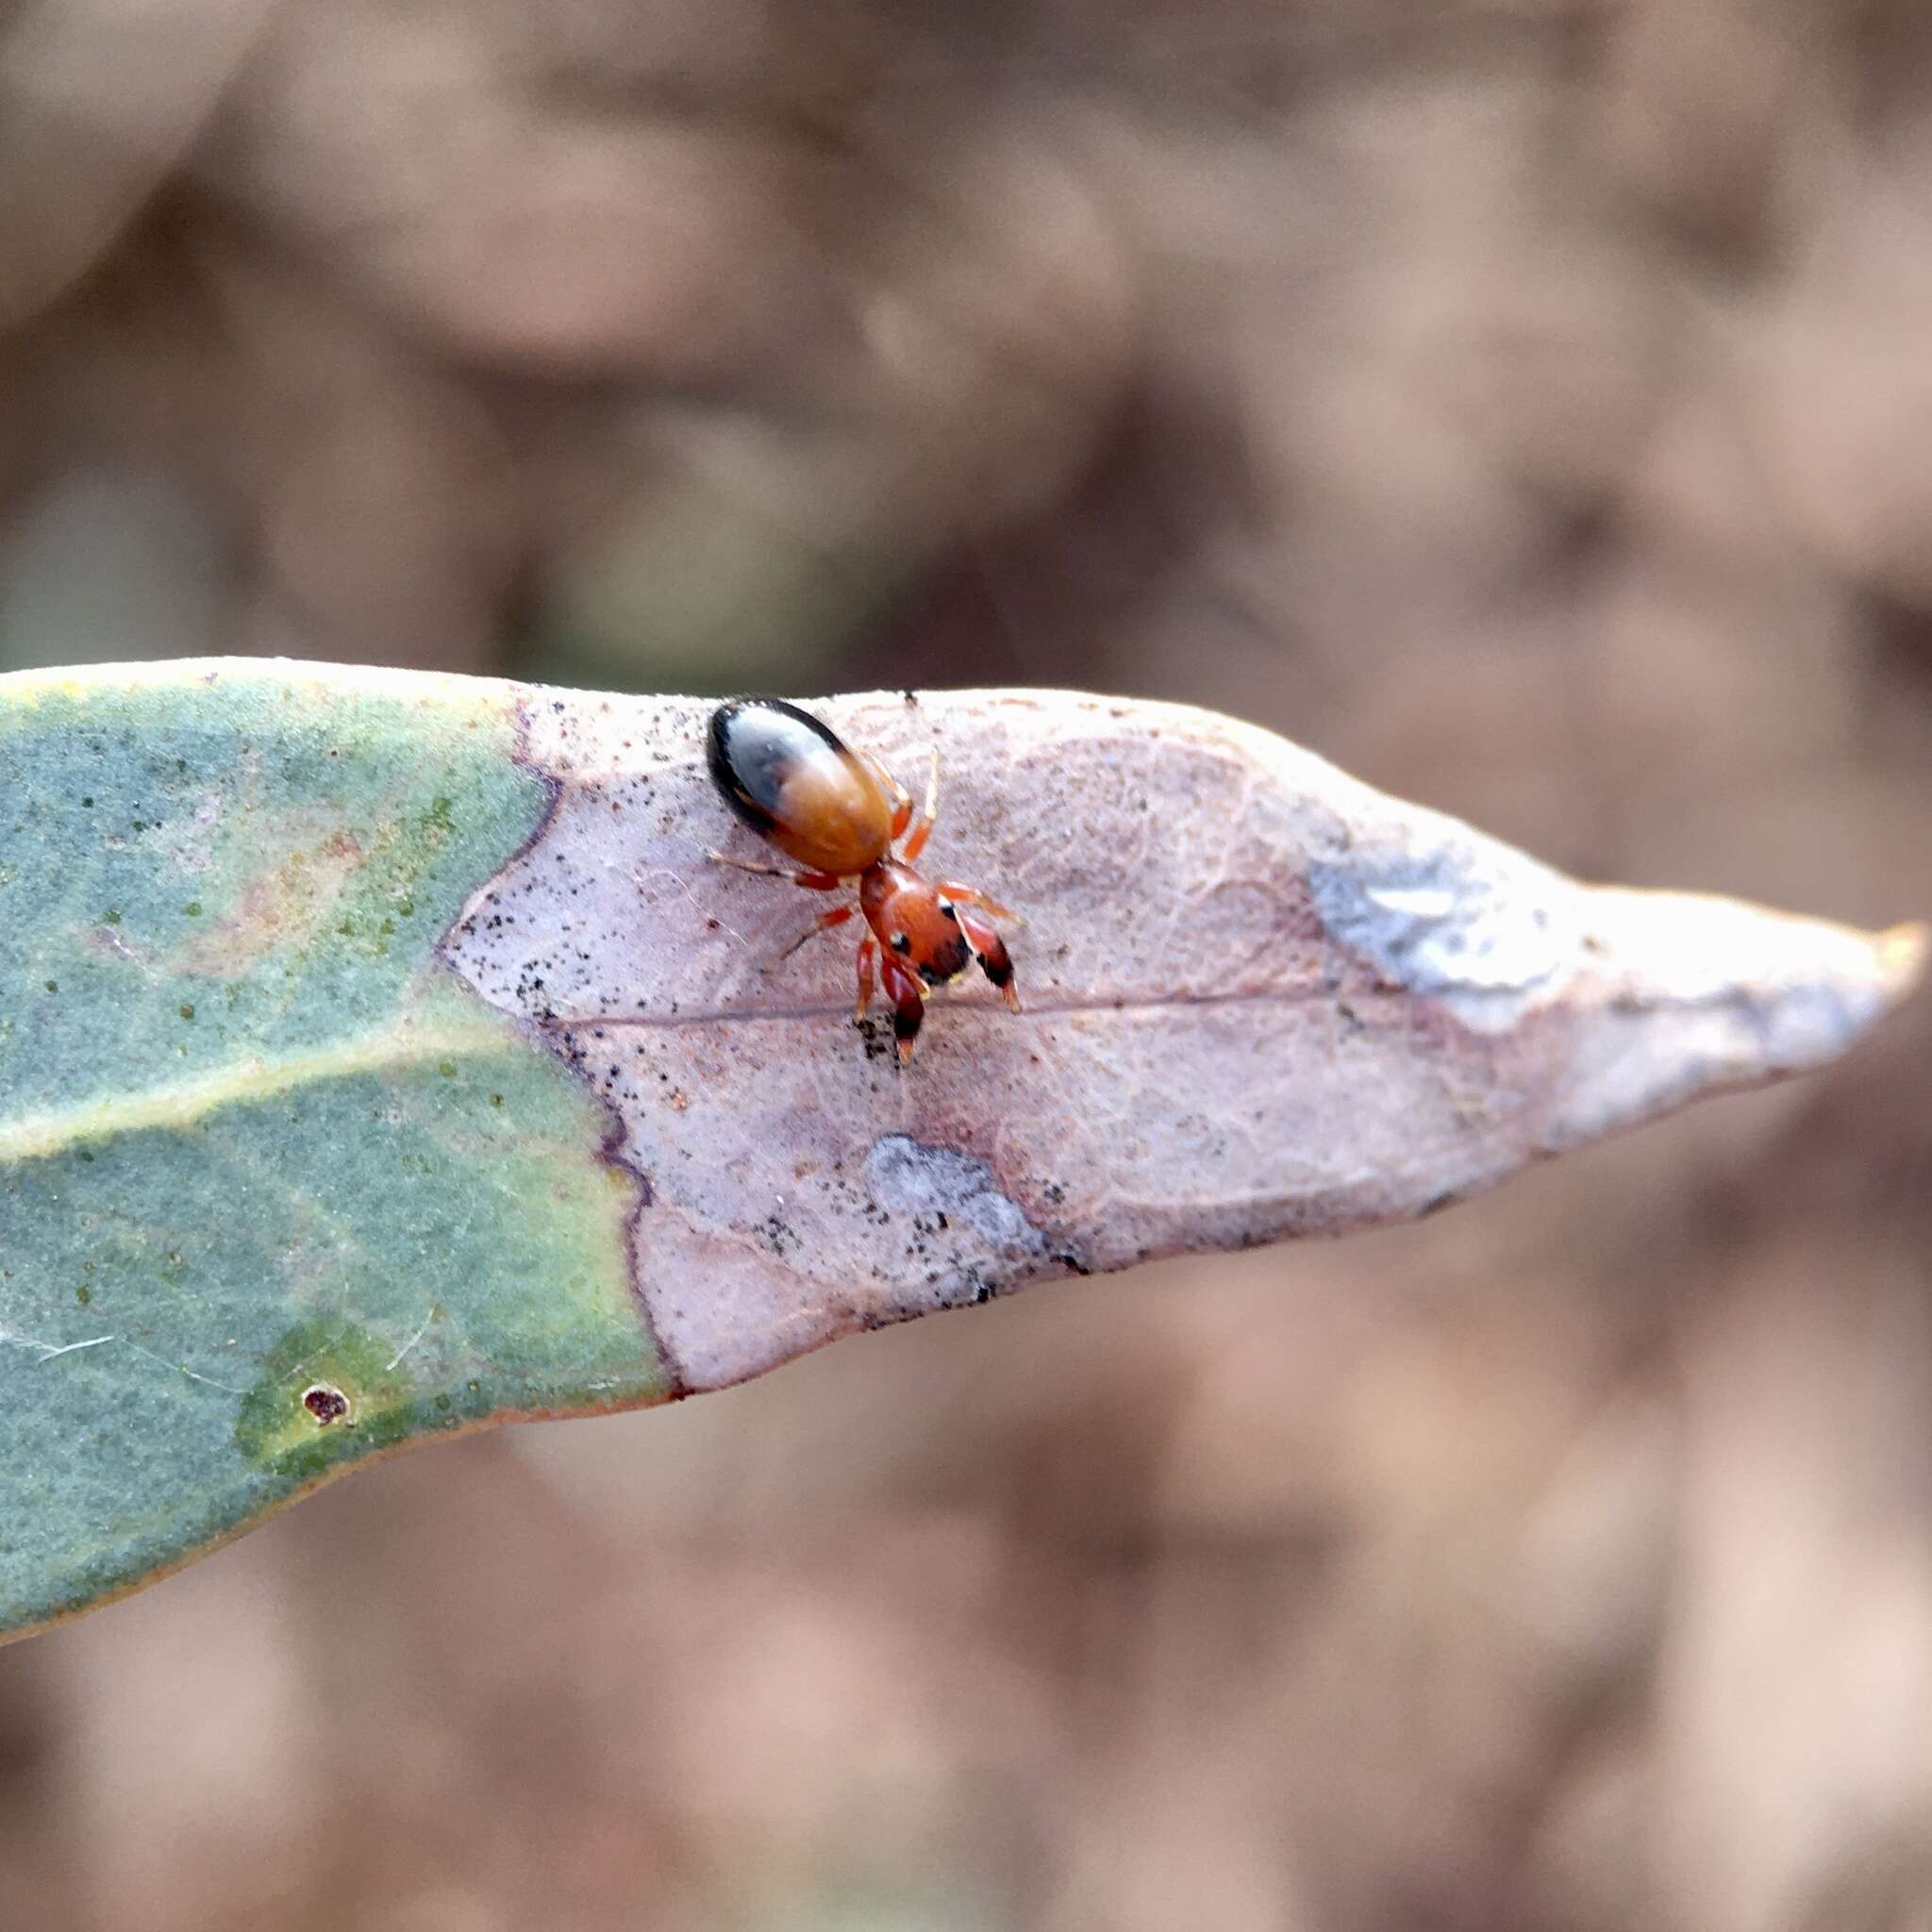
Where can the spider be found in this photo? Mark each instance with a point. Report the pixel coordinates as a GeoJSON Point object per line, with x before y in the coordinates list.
{"type": "Point", "coordinates": [837, 814]}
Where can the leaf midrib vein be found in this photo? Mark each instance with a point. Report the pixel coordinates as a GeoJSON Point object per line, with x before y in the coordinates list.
{"type": "Point", "coordinates": [1046, 1007]}
{"type": "Point", "coordinates": [183, 1103]}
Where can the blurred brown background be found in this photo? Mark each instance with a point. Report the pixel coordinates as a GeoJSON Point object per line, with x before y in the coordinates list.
{"type": "Point", "coordinates": [1529, 405]}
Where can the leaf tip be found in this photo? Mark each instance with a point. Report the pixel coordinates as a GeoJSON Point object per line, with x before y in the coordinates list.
{"type": "Point", "coordinates": [1899, 954]}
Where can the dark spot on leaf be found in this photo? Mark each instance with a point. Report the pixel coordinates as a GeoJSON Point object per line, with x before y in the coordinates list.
{"type": "Point", "coordinates": [187, 1010]}
{"type": "Point", "coordinates": [326, 1393]}
{"type": "Point", "coordinates": [327, 1405]}
{"type": "Point", "coordinates": [192, 908]}
{"type": "Point", "coordinates": [83, 1294]}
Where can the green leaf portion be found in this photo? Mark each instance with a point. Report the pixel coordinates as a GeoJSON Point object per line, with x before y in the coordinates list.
{"type": "Point", "coordinates": [276, 1191]}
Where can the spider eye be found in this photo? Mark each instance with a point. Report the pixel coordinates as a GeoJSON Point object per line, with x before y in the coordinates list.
{"type": "Point", "coordinates": [901, 944]}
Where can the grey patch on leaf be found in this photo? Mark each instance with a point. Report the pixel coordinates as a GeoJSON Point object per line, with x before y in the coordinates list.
{"type": "Point", "coordinates": [1482, 929]}
{"type": "Point", "coordinates": [908, 1176]}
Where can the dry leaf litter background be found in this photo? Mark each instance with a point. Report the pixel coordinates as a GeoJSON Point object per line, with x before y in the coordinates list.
{"type": "Point", "coordinates": [1528, 406]}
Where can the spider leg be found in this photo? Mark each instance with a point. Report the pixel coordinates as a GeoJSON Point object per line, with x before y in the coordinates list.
{"type": "Point", "coordinates": [991, 951]}
{"type": "Point", "coordinates": [928, 812]}
{"type": "Point", "coordinates": [902, 799]}
{"type": "Point", "coordinates": [824, 923]}
{"type": "Point", "coordinates": [909, 1007]}
{"type": "Point", "coordinates": [971, 896]}
{"type": "Point", "coordinates": [811, 881]}
{"type": "Point", "coordinates": [868, 952]}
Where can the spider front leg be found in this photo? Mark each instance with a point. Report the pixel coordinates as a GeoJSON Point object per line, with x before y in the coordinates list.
{"type": "Point", "coordinates": [971, 896]}
{"type": "Point", "coordinates": [908, 1005]}
{"type": "Point", "coordinates": [988, 949]}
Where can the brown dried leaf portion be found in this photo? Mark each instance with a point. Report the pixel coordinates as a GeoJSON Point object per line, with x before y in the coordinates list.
{"type": "Point", "coordinates": [1262, 1000]}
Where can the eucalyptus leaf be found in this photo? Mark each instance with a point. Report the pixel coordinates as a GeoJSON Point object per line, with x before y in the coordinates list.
{"type": "Point", "coordinates": [380, 1056]}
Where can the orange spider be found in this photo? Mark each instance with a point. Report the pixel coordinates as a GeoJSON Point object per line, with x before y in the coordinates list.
{"type": "Point", "coordinates": [839, 813]}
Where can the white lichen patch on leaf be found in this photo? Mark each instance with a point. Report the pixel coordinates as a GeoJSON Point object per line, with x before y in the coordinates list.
{"type": "Point", "coordinates": [1261, 1000]}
